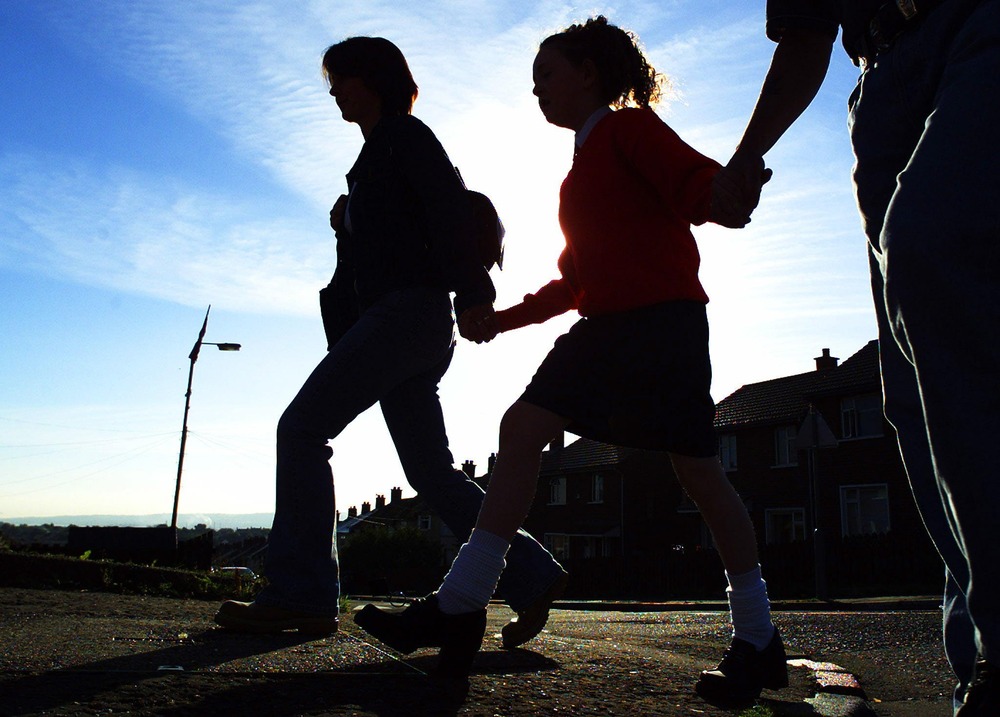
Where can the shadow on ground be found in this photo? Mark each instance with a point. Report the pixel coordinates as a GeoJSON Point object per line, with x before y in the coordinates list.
{"type": "Point", "coordinates": [220, 673]}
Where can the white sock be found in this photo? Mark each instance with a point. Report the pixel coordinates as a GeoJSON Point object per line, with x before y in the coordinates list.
{"type": "Point", "coordinates": [474, 575]}
{"type": "Point", "coordinates": [749, 608]}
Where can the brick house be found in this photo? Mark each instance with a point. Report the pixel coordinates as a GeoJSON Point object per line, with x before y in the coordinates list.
{"type": "Point", "coordinates": [814, 451]}
{"type": "Point", "coordinates": [400, 512]}
{"type": "Point", "coordinates": [804, 452]}
{"type": "Point", "coordinates": [373, 575]}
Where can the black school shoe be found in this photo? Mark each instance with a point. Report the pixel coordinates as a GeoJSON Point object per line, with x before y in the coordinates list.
{"type": "Point", "coordinates": [744, 672]}
{"type": "Point", "coordinates": [422, 624]}
{"type": "Point", "coordinates": [530, 621]}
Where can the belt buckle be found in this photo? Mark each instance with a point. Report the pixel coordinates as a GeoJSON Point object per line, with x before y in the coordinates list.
{"type": "Point", "coordinates": [879, 40]}
{"type": "Point", "coordinates": [907, 8]}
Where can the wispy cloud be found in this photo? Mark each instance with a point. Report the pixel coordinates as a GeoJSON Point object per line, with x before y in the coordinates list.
{"type": "Point", "coordinates": [123, 230]}
{"type": "Point", "coordinates": [244, 81]}
{"type": "Point", "coordinates": [252, 76]}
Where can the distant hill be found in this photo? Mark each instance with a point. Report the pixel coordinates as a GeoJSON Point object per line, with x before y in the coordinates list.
{"type": "Point", "coordinates": [184, 520]}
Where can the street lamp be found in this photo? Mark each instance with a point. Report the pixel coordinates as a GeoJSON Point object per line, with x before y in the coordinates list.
{"type": "Point", "coordinates": [815, 433]}
{"type": "Point", "coordinates": [187, 405]}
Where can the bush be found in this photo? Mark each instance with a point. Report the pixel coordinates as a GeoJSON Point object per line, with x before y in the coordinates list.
{"type": "Point", "coordinates": [35, 570]}
{"type": "Point", "coordinates": [404, 558]}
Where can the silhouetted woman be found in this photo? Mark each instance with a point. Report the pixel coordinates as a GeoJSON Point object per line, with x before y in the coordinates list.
{"type": "Point", "coordinates": [403, 245]}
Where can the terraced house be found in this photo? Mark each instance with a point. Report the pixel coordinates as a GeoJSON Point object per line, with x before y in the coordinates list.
{"type": "Point", "coordinates": [814, 461]}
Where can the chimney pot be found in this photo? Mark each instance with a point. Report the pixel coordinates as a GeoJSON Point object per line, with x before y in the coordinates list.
{"type": "Point", "coordinates": [366, 507]}
{"type": "Point", "coordinates": [379, 501]}
{"type": "Point", "coordinates": [395, 495]}
{"type": "Point", "coordinates": [826, 361]}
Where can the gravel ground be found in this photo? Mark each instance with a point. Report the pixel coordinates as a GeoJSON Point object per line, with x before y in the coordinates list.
{"type": "Point", "coordinates": [80, 653]}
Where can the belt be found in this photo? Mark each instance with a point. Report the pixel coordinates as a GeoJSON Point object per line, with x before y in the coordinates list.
{"type": "Point", "coordinates": [888, 23]}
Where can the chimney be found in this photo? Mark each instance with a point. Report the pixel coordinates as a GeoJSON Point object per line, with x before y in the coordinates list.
{"type": "Point", "coordinates": [469, 468]}
{"type": "Point", "coordinates": [395, 494]}
{"type": "Point", "coordinates": [826, 361]}
{"type": "Point", "coordinates": [491, 463]}
{"type": "Point", "coordinates": [558, 442]}
{"type": "Point", "coordinates": [379, 501]}
{"type": "Point", "coordinates": [352, 512]}
{"type": "Point", "coordinates": [366, 507]}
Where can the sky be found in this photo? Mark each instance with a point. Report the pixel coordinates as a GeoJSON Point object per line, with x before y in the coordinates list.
{"type": "Point", "coordinates": [160, 158]}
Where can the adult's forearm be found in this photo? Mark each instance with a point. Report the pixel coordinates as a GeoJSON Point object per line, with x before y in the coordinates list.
{"type": "Point", "coordinates": [797, 70]}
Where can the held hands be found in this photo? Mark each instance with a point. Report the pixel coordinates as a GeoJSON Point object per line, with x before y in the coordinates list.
{"type": "Point", "coordinates": [337, 213]}
{"type": "Point", "coordinates": [736, 190]}
{"type": "Point", "coordinates": [478, 323]}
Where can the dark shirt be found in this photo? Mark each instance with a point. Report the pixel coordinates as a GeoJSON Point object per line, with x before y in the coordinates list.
{"type": "Point", "coordinates": [825, 16]}
{"type": "Point", "coordinates": [410, 220]}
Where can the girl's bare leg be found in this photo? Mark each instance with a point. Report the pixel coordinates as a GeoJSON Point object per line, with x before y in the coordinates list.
{"type": "Point", "coordinates": [722, 509]}
{"type": "Point", "coordinates": [524, 432]}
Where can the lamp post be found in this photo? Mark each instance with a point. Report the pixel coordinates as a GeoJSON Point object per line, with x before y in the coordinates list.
{"type": "Point", "coordinates": [815, 433]}
{"type": "Point", "coordinates": [193, 356]}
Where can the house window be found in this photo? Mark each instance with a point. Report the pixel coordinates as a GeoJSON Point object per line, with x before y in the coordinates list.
{"type": "Point", "coordinates": [424, 521]}
{"type": "Point", "coordinates": [861, 416]}
{"type": "Point", "coordinates": [785, 453]}
{"type": "Point", "coordinates": [557, 491]}
{"type": "Point", "coordinates": [596, 547]}
{"type": "Point", "coordinates": [727, 451]}
{"type": "Point", "coordinates": [864, 509]}
{"type": "Point", "coordinates": [784, 525]}
{"type": "Point", "coordinates": [597, 489]}
{"type": "Point", "coordinates": [558, 545]}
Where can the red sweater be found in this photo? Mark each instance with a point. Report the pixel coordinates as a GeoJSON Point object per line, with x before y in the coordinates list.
{"type": "Point", "coordinates": [626, 208]}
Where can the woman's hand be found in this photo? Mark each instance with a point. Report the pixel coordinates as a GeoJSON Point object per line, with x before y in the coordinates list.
{"type": "Point", "coordinates": [337, 213]}
{"type": "Point", "coordinates": [478, 323]}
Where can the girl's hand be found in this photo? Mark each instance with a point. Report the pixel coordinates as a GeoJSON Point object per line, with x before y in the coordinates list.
{"type": "Point", "coordinates": [478, 323]}
{"type": "Point", "coordinates": [736, 191]}
{"type": "Point", "coordinates": [337, 213]}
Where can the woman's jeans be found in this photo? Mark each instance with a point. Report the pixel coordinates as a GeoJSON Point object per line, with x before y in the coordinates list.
{"type": "Point", "coordinates": [395, 354]}
{"type": "Point", "coordinates": [925, 125]}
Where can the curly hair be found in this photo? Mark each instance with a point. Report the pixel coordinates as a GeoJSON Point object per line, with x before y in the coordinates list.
{"type": "Point", "coordinates": [380, 65]}
{"type": "Point", "coordinates": [627, 78]}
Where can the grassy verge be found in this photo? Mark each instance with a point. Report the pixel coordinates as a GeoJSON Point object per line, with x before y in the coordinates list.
{"type": "Point", "coordinates": [33, 570]}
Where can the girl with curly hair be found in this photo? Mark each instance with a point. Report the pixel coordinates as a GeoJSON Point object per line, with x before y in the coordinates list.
{"type": "Point", "coordinates": [634, 371]}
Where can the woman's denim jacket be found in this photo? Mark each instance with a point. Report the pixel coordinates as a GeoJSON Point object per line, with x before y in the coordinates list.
{"type": "Point", "coordinates": [410, 226]}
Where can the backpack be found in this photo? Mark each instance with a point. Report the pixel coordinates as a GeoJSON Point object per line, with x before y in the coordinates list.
{"type": "Point", "coordinates": [487, 229]}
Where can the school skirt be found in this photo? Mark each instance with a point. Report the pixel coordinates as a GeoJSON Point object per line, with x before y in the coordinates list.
{"type": "Point", "coordinates": [638, 378]}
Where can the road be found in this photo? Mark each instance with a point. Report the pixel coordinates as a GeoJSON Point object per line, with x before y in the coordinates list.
{"type": "Point", "coordinates": [79, 653]}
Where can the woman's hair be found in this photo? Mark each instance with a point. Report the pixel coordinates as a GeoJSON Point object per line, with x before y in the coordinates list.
{"type": "Point", "coordinates": [626, 76]}
{"type": "Point", "coordinates": [380, 65]}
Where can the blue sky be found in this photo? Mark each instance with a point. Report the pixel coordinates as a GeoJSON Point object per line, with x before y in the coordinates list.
{"type": "Point", "coordinates": [156, 158]}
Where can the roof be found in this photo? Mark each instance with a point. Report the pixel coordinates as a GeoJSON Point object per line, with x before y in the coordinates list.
{"type": "Point", "coordinates": [401, 510]}
{"type": "Point", "coordinates": [583, 454]}
{"type": "Point", "coordinates": [782, 399]}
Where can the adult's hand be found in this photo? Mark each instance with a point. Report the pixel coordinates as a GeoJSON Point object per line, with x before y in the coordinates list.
{"type": "Point", "coordinates": [799, 64]}
{"type": "Point", "coordinates": [736, 190]}
{"type": "Point", "coordinates": [337, 213]}
{"type": "Point", "coordinates": [478, 323]}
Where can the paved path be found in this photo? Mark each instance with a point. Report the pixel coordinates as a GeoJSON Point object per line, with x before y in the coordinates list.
{"type": "Point", "coordinates": [91, 653]}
